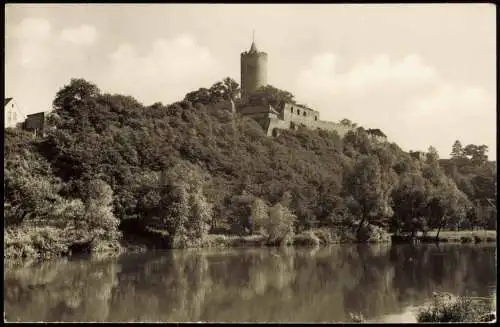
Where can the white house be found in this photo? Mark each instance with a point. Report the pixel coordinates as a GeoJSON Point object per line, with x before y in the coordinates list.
{"type": "Point", "coordinates": [12, 114]}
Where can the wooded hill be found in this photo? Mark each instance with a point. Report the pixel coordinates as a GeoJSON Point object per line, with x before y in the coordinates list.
{"type": "Point", "coordinates": [190, 169]}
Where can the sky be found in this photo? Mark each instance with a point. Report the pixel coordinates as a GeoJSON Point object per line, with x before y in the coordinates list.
{"type": "Point", "coordinates": [424, 74]}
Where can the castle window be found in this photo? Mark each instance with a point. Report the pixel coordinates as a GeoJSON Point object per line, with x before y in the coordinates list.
{"type": "Point", "coordinates": [298, 112]}
{"type": "Point", "coordinates": [304, 113]}
{"type": "Point", "coordinates": [315, 117]}
{"type": "Point", "coordinates": [291, 110]}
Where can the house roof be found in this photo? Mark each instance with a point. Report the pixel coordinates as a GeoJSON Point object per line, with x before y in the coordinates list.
{"type": "Point", "coordinates": [7, 100]}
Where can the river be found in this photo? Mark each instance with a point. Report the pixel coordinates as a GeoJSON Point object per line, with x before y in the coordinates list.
{"type": "Point", "coordinates": [382, 282]}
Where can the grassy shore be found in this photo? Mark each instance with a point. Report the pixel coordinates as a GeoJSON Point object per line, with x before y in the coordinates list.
{"type": "Point", "coordinates": [313, 237]}
{"type": "Point", "coordinates": [467, 236]}
{"type": "Point", "coordinates": [46, 243]}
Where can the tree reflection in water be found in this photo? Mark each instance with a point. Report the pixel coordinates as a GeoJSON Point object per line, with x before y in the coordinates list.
{"type": "Point", "coordinates": [248, 285]}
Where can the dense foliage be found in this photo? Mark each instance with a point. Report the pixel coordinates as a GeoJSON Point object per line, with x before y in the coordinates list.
{"type": "Point", "coordinates": [189, 169]}
{"type": "Point", "coordinates": [462, 309]}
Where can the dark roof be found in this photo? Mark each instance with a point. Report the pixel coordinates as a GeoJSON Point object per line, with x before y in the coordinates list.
{"type": "Point", "coordinates": [41, 113]}
{"type": "Point", "coordinates": [7, 100]}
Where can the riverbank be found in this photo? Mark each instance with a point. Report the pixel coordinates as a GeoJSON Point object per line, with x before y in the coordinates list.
{"type": "Point", "coordinates": [467, 236]}
{"type": "Point", "coordinates": [51, 242]}
{"type": "Point", "coordinates": [155, 239]}
{"type": "Point", "coordinates": [47, 243]}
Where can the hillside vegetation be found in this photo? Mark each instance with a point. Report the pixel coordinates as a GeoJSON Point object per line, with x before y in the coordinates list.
{"type": "Point", "coordinates": [111, 169]}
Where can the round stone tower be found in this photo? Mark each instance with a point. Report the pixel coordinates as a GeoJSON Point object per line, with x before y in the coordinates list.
{"type": "Point", "coordinates": [253, 70]}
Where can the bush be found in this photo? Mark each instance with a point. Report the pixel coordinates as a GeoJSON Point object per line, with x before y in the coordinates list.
{"type": "Point", "coordinates": [280, 226]}
{"type": "Point", "coordinates": [259, 216]}
{"type": "Point", "coordinates": [224, 241]}
{"type": "Point", "coordinates": [466, 239]}
{"type": "Point", "coordinates": [373, 234]}
{"type": "Point", "coordinates": [306, 238]}
{"type": "Point", "coordinates": [325, 236]}
{"type": "Point", "coordinates": [217, 241]}
{"type": "Point", "coordinates": [34, 242]}
{"type": "Point", "coordinates": [448, 309]}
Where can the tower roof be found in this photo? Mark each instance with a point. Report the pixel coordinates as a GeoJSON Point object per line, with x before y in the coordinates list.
{"type": "Point", "coordinates": [253, 48]}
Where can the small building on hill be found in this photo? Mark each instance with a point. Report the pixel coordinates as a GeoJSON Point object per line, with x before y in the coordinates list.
{"type": "Point", "coordinates": [377, 135]}
{"type": "Point", "coordinates": [12, 114]}
{"type": "Point", "coordinates": [36, 123]}
{"type": "Point", "coordinates": [419, 155]}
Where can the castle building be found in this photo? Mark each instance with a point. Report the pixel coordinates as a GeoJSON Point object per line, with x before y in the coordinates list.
{"type": "Point", "coordinates": [253, 70]}
{"type": "Point", "coordinates": [288, 115]}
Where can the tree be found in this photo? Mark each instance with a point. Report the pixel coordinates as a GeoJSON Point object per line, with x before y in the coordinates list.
{"type": "Point", "coordinates": [99, 216]}
{"type": "Point", "coordinates": [259, 216]}
{"type": "Point", "coordinates": [457, 151]}
{"type": "Point", "coordinates": [200, 216]}
{"type": "Point", "coordinates": [447, 205]}
{"type": "Point", "coordinates": [74, 97]}
{"type": "Point", "coordinates": [366, 185]}
{"type": "Point", "coordinates": [358, 141]}
{"type": "Point", "coordinates": [202, 95]}
{"type": "Point", "coordinates": [409, 201]}
{"type": "Point", "coordinates": [432, 155]}
{"type": "Point", "coordinates": [280, 227]}
{"type": "Point", "coordinates": [476, 153]}
{"type": "Point", "coordinates": [239, 213]}
{"type": "Point", "coordinates": [269, 95]}
{"type": "Point", "coordinates": [348, 123]}
{"type": "Point", "coordinates": [376, 132]}
{"type": "Point", "coordinates": [227, 89]}
{"type": "Point", "coordinates": [174, 201]}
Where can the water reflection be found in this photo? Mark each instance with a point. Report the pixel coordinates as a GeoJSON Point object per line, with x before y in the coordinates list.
{"type": "Point", "coordinates": [382, 282]}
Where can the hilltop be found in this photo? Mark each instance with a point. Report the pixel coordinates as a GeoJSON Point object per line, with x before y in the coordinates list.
{"type": "Point", "coordinates": [111, 169]}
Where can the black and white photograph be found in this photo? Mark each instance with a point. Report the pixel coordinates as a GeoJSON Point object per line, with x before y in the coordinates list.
{"type": "Point", "coordinates": [250, 163]}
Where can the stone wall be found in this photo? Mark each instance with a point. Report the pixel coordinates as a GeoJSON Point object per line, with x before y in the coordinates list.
{"type": "Point", "coordinates": [331, 126]}
{"type": "Point", "coordinates": [377, 138]}
{"type": "Point", "coordinates": [298, 114]}
{"type": "Point", "coordinates": [275, 125]}
{"type": "Point", "coordinates": [290, 117]}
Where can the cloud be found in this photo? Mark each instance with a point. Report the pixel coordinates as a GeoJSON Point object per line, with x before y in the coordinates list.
{"type": "Point", "coordinates": [33, 29]}
{"type": "Point", "coordinates": [34, 45]}
{"type": "Point", "coordinates": [377, 72]}
{"type": "Point", "coordinates": [166, 72]}
{"type": "Point", "coordinates": [406, 98]}
{"type": "Point", "coordinates": [82, 36]}
{"type": "Point", "coordinates": [33, 37]}
{"type": "Point", "coordinates": [450, 99]}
